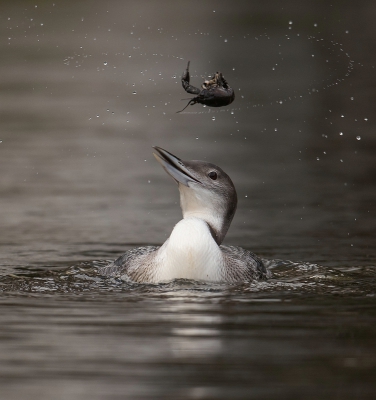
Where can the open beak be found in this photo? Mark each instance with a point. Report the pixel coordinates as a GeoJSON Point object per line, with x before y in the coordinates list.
{"type": "Point", "coordinates": [174, 166]}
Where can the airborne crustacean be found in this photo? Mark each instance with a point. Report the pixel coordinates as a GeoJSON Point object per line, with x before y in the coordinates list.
{"type": "Point", "coordinates": [214, 93]}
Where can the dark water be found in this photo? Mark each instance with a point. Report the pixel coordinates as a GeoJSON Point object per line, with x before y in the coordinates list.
{"type": "Point", "coordinates": [79, 186]}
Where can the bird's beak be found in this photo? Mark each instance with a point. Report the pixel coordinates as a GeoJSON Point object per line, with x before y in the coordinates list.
{"type": "Point", "coordinates": [174, 166]}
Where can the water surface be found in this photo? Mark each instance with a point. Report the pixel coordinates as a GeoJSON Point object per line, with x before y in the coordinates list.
{"type": "Point", "coordinates": [86, 90]}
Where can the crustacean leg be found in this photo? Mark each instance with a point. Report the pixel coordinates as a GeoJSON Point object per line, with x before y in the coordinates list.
{"type": "Point", "coordinates": [185, 79]}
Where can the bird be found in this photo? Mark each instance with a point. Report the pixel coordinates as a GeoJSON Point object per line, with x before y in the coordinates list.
{"type": "Point", "coordinates": [194, 250]}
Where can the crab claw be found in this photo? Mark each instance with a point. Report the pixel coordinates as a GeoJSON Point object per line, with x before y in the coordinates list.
{"type": "Point", "coordinates": [185, 79]}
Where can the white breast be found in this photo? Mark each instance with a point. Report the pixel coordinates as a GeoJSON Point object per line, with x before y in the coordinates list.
{"type": "Point", "coordinates": [189, 253]}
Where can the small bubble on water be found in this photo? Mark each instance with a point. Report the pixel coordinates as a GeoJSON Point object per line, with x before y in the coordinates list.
{"type": "Point", "coordinates": [213, 118]}
{"type": "Point", "coordinates": [315, 25]}
{"type": "Point", "coordinates": [134, 92]}
{"type": "Point", "coordinates": [98, 116]}
{"type": "Point", "coordinates": [275, 129]}
{"type": "Point", "coordinates": [342, 116]}
{"type": "Point", "coordinates": [105, 63]}
{"type": "Point", "coordinates": [129, 56]}
{"type": "Point", "coordinates": [225, 40]}
{"type": "Point", "coordinates": [341, 134]}
{"type": "Point", "coordinates": [341, 160]}
{"type": "Point", "coordinates": [318, 158]}
{"type": "Point", "coordinates": [365, 119]}
{"type": "Point", "coordinates": [280, 102]}
{"type": "Point", "coordinates": [290, 22]}
{"type": "Point", "coordinates": [1, 141]}
{"type": "Point", "coordinates": [232, 112]}
{"type": "Point", "coordinates": [358, 138]}
{"type": "Point", "coordinates": [351, 98]}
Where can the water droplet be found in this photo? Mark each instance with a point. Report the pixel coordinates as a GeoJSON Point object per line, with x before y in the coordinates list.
{"type": "Point", "coordinates": [341, 160]}
{"type": "Point", "coordinates": [1, 141]}
{"type": "Point", "coordinates": [318, 158]}
{"type": "Point", "coordinates": [342, 116]}
{"type": "Point", "coordinates": [105, 63]}
{"type": "Point", "coordinates": [365, 119]}
{"type": "Point", "coordinates": [275, 129]}
{"type": "Point", "coordinates": [358, 138]}
{"type": "Point", "coordinates": [290, 22]}
{"type": "Point", "coordinates": [129, 56]}
{"type": "Point", "coordinates": [341, 134]}
{"type": "Point", "coordinates": [315, 25]}
{"type": "Point", "coordinates": [232, 112]}
{"type": "Point", "coordinates": [134, 92]}
{"type": "Point", "coordinates": [98, 116]}
{"type": "Point", "coordinates": [225, 40]}
{"type": "Point", "coordinates": [213, 118]}
{"type": "Point", "coordinates": [280, 102]}
{"type": "Point", "coordinates": [351, 98]}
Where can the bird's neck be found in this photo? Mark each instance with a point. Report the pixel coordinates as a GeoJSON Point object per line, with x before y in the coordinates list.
{"type": "Point", "coordinates": [190, 252]}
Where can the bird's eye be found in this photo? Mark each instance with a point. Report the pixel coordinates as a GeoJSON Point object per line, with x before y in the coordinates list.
{"type": "Point", "coordinates": [213, 175]}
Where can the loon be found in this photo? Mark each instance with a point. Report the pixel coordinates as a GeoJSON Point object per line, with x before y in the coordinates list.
{"type": "Point", "coordinates": [194, 249]}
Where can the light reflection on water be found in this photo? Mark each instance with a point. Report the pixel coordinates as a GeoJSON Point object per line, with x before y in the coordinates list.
{"type": "Point", "coordinates": [287, 278]}
{"type": "Point", "coordinates": [106, 336]}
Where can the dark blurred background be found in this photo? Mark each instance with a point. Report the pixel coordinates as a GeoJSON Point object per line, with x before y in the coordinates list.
{"type": "Point", "coordinates": [86, 88]}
